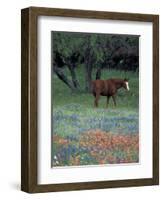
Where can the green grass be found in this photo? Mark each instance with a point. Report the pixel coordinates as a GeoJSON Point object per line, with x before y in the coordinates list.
{"type": "Point", "coordinates": [74, 113]}
{"type": "Point", "coordinates": [129, 100]}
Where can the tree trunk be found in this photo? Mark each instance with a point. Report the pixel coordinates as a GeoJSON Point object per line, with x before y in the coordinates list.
{"type": "Point", "coordinates": [63, 77]}
{"type": "Point", "coordinates": [88, 66]}
{"type": "Point", "coordinates": [74, 78]}
{"type": "Point", "coordinates": [88, 78]}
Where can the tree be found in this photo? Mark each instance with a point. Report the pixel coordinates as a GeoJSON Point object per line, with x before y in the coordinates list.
{"type": "Point", "coordinates": [58, 63]}
{"type": "Point", "coordinates": [66, 56]}
{"type": "Point", "coordinates": [95, 52]}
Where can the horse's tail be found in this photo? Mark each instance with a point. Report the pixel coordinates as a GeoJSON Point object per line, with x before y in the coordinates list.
{"type": "Point", "coordinates": [98, 74]}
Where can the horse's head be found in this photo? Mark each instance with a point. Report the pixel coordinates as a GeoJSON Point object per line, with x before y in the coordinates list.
{"type": "Point", "coordinates": [125, 84]}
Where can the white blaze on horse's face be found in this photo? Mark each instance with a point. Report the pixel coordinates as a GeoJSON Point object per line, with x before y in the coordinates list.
{"type": "Point", "coordinates": [127, 86]}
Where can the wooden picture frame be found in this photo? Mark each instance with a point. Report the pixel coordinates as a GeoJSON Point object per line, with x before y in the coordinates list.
{"type": "Point", "coordinates": [29, 173]}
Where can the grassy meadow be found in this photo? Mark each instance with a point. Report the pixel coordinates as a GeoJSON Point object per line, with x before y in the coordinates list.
{"type": "Point", "coordinates": [84, 135]}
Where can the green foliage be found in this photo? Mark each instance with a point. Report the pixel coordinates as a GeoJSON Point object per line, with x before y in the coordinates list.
{"type": "Point", "coordinates": [93, 51]}
{"type": "Point", "coordinates": [100, 46]}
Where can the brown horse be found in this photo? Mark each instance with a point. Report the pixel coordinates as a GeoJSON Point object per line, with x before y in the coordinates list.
{"type": "Point", "coordinates": [108, 88]}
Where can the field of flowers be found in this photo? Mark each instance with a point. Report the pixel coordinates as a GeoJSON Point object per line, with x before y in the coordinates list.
{"type": "Point", "coordinates": [84, 135]}
{"type": "Point", "coordinates": [95, 147]}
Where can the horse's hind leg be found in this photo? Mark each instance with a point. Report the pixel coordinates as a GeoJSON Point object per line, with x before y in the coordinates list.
{"type": "Point", "coordinates": [94, 94]}
{"type": "Point", "coordinates": [96, 100]}
{"type": "Point", "coordinates": [114, 100]}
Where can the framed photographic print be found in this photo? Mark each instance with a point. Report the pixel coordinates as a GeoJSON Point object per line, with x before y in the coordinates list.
{"type": "Point", "coordinates": [90, 99]}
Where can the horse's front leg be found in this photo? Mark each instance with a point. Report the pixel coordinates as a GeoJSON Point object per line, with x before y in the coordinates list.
{"type": "Point", "coordinates": [107, 101]}
{"type": "Point", "coordinates": [114, 100]}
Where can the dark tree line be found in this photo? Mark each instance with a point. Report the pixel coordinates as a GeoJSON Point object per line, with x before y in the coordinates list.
{"type": "Point", "coordinates": [94, 52]}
